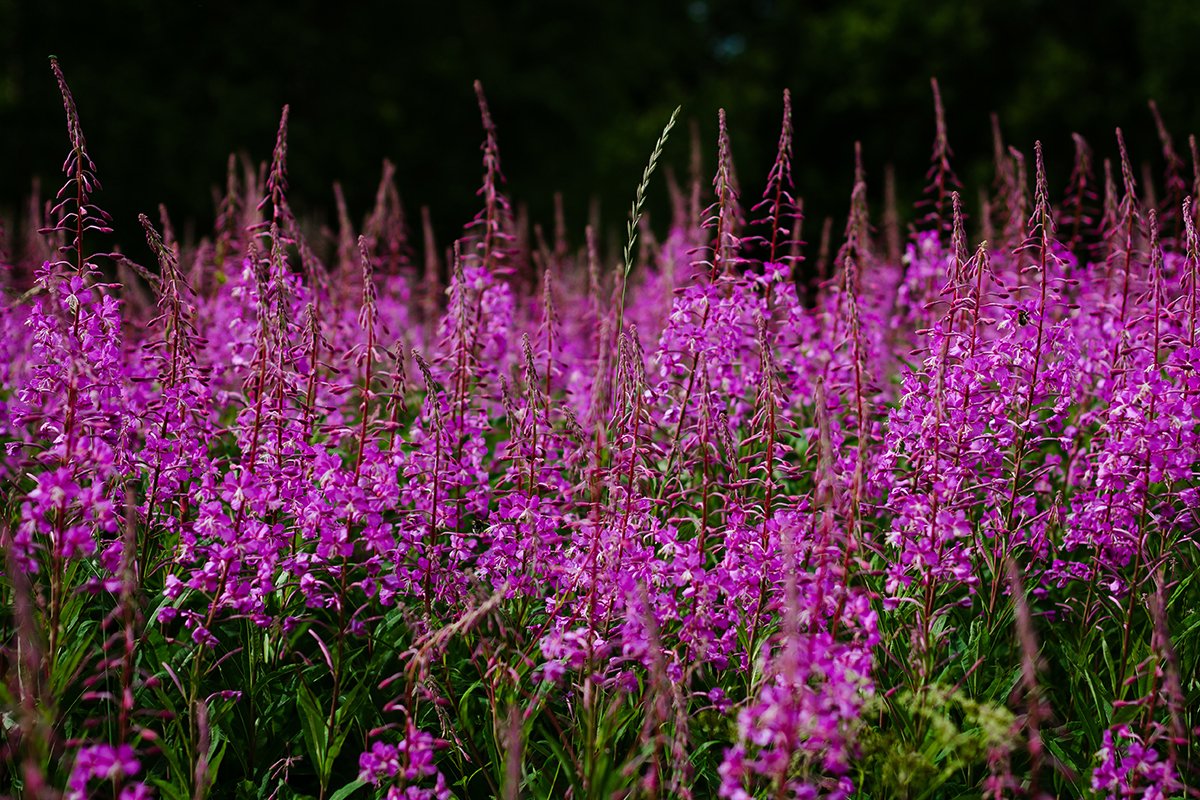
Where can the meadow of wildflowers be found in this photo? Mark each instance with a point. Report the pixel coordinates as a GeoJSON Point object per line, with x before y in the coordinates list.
{"type": "Point", "coordinates": [298, 513]}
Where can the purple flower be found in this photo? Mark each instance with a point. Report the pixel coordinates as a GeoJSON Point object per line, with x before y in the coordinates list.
{"type": "Point", "coordinates": [405, 767]}
{"type": "Point", "coordinates": [107, 763]}
{"type": "Point", "coordinates": [1130, 768]}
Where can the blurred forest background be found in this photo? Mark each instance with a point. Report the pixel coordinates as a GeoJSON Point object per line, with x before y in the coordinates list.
{"type": "Point", "coordinates": [579, 91]}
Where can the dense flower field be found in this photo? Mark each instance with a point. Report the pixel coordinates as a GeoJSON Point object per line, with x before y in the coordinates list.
{"type": "Point", "coordinates": [298, 513]}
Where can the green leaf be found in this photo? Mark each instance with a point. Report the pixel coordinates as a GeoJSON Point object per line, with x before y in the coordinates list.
{"type": "Point", "coordinates": [216, 751]}
{"type": "Point", "coordinates": [1108, 662]}
{"type": "Point", "coordinates": [1056, 750]}
{"type": "Point", "coordinates": [347, 790]}
{"type": "Point", "coordinates": [313, 723]}
{"type": "Point", "coordinates": [170, 791]}
{"type": "Point", "coordinates": [341, 729]}
{"type": "Point", "coordinates": [73, 648]}
{"type": "Point", "coordinates": [564, 762]}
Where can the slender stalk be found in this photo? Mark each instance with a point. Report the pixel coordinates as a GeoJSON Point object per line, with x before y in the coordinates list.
{"type": "Point", "coordinates": [635, 212]}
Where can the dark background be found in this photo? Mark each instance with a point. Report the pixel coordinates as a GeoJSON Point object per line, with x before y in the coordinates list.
{"type": "Point", "coordinates": [579, 91]}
